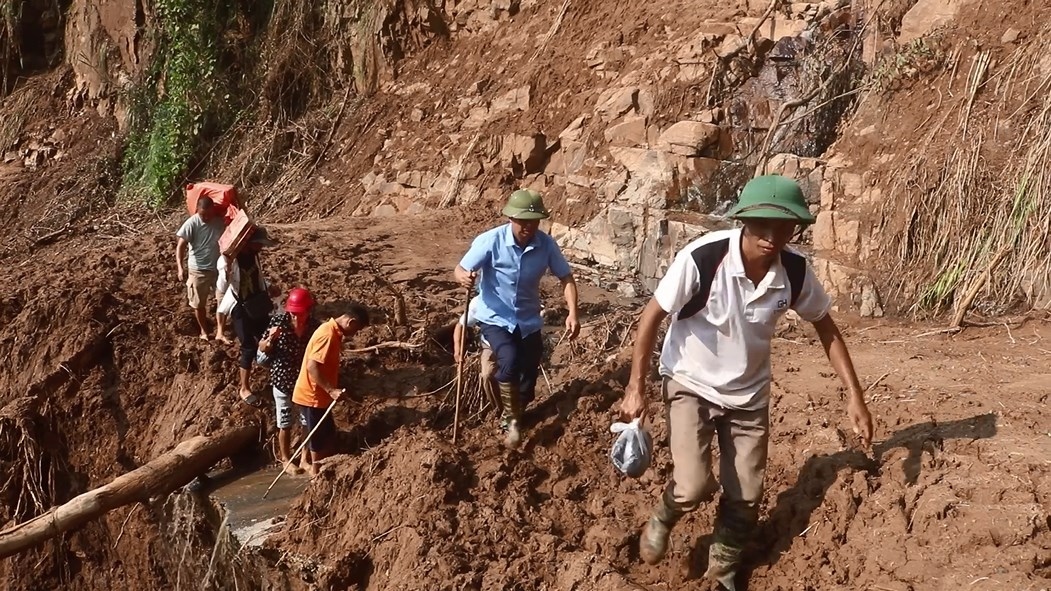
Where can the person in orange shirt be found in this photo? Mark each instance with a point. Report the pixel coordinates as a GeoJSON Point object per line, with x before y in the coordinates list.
{"type": "Point", "coordinates": [316, 388]}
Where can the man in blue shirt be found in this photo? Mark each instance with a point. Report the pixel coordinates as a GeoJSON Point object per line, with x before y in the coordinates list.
{"type": "Point", "coordinates": [510, 260]}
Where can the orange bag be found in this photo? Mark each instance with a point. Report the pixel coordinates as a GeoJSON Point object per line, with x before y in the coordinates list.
{"type": "Point", "coordinates": [224, 197]}
{"type": "Point", "coordinates": [238, 232]}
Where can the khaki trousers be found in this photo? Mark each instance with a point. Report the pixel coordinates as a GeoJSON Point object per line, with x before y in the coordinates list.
{"type": "Point", "coordinates": [487, 375]}
{"type": "Point", "coordinates": [743, 438]}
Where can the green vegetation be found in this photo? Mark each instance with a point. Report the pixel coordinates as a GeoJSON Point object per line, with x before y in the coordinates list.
{"type": "Point", "coordinates": [179, 99]}
{"type": "Point", "coordinates": [916, 58]}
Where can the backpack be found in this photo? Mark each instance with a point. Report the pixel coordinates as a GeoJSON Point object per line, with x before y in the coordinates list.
{"type": "Point", "coordinates": [709, 256]}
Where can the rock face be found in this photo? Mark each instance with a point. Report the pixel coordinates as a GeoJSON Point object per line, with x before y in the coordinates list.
{"type": "Point", "coordinates": [692, 163]}
{"type": "Point", "coordinates": [638, 169]}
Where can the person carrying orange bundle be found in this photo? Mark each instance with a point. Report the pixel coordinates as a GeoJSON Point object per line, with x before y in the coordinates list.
{"type": "Point", "coordinates": [199, 235]}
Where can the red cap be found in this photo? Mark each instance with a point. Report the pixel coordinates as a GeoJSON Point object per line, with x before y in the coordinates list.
{"type": "Point", "coordinates": [299, 301]}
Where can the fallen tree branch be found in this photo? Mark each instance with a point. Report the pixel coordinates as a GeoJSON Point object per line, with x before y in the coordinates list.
{"type": "Point", "coordinates": [454, 187]}
{"type": "Point", "coordinates": [977, 286]}
{"type": "Point", "coordinates": [50, 237]}
{"type": "Point", "coordinates": [331, 132]}
{"type": "Point", "coordinates": [388, 345]}
{"type": "Point", "coordinates": [159, 476]}
{"type": "Point", "coordinates": [551, 32]}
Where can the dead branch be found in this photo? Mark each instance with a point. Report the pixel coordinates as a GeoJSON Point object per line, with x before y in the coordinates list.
{"type": "Point", "coordinates": [160, 476]}
{"type": "Point", "coordinates": [454, 187]}
{"type": "Point", "coordinates": [977, 285]}
{"type": "Point", "coordinates": [51, 236]}
{"type": "Point", "coordinates": [764, 155]}
{"type": "Point", "coordinates": [388, 345]}
{"type": "Point", "coordinates": [551, 32]}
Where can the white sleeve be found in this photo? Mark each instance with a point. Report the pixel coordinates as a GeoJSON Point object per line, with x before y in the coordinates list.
{"type": "Point", "coordinates": [679, 283]}
{"type": "Point", "coordinates": [813, 302]}
{"type": "Point", "coordinates": [227, 300]}
{"type": "Point", "coordinates": [221, 283]}
{"type": "Point", "coordinates": [471, 317]}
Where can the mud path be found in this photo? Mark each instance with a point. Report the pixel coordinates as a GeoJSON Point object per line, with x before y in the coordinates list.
{"type": "Point", "coordinates": [957, 494]}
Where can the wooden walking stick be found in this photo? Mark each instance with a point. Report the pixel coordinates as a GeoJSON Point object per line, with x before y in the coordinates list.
{"type": "Point", "coordinates": [300, 449]}
{"type": "Point", "coordinates": [459, 365]}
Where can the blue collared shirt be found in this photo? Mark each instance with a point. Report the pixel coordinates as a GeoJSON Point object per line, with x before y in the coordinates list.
{"type": "Point", "coordinates": [510, 277]}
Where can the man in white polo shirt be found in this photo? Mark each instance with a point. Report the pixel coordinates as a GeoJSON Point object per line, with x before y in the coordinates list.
{"type": "Point", "coordinates": [725, 292]}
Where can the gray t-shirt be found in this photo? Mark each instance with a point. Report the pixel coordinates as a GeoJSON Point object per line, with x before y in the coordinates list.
{"type": "Point", "coordinates": [203, 239]}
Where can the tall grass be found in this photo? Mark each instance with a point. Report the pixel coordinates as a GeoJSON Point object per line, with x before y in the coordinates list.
{"type": "Point", "coordinates": [973, 190]}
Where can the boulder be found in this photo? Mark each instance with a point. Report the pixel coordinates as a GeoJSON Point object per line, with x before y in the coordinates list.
{"type": "Point", "coordinates": [515, 100]}
{"type": "Point", "coordinates": [476, 117]}
{"type": "Point", "coordinates": [688, 138]}
{"type": "Point", "coordinates": [413, 178]}
{"type": "Point", "coordinates": [926, 16]}
{"type": "Point", "coordinates": [642, 163]}
{"type": "Point", "coordinates": [631, 132]}
{"type": "Point", "coordinates": [774, 28]}
{"type": "Point", "coordinates": [524, 154]}
{"type": "Point", "coordinates": [847, 236]}
{"type": "Point", "coordinates": [870, 305]}
{"type": "Point", "coordinates": [568, 159]}
{"type": "Point", "coordinates": [644, 102]}
{"type": "Point", "coordinates": [384, 210]}
{"type": "Point", "coordinates": [573, 130]}
{"type": "Point", "coordinates": [825, 232]}
{"type": "Point", "coordinates": [615, 102]}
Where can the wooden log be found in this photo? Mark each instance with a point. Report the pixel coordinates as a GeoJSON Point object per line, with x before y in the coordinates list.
{"type": "Point", "coordinates": [159, 476]}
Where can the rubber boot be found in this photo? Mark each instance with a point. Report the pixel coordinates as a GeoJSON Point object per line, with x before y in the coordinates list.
{"type": "Point", "coordinates": [653, 542]}
{"type": "Point", "coordinates": [724, 574]}
{"type": "Point", "coordinates": [512, 413]}
{"type": "Point", "coordinates": [734, 525]}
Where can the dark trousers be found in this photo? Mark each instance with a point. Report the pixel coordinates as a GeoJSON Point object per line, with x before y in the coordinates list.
{"type": "Point", "coordinates": [517, 358]}
{"type": "Point", "coordinates": [249, 331]}
{"type": "Point", "coordinates": [325, 436]}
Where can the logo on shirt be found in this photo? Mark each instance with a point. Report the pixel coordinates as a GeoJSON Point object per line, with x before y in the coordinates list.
{"type": "Point", "coordinates": [782, 304]}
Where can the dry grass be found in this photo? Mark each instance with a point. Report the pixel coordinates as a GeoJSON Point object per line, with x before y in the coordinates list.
{"type": "Point", "coordinates": [987, 191]}
{"type": "Point", "coordinates": [18, 107]}
{"type": "Point", "coordinates": [474, 402]}
{"type": "Point", "coordinates": [317, 61]}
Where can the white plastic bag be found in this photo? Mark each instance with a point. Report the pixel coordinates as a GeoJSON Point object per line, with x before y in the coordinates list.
{"type": "Point", "coordinates": [633, 449]}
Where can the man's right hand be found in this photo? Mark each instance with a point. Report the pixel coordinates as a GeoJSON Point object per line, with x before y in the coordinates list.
{"type": "Point", "coordinates": [633, 405]}
{"type": "Point", "coordinates": [464, 277]}
{"type": "Point", "coordinates": [336, 393]}
{"type": "Point", "coordinates": [182, 274]}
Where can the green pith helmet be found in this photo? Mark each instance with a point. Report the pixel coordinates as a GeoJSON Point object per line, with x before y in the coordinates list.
{"type": "Point", "coordinates": [525, 204]}
{"type": "Point", "coordinates": [772, 197]}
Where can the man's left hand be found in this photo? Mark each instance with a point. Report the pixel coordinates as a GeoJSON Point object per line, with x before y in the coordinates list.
{"type": "Point", "coordinates": [572, 327]}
